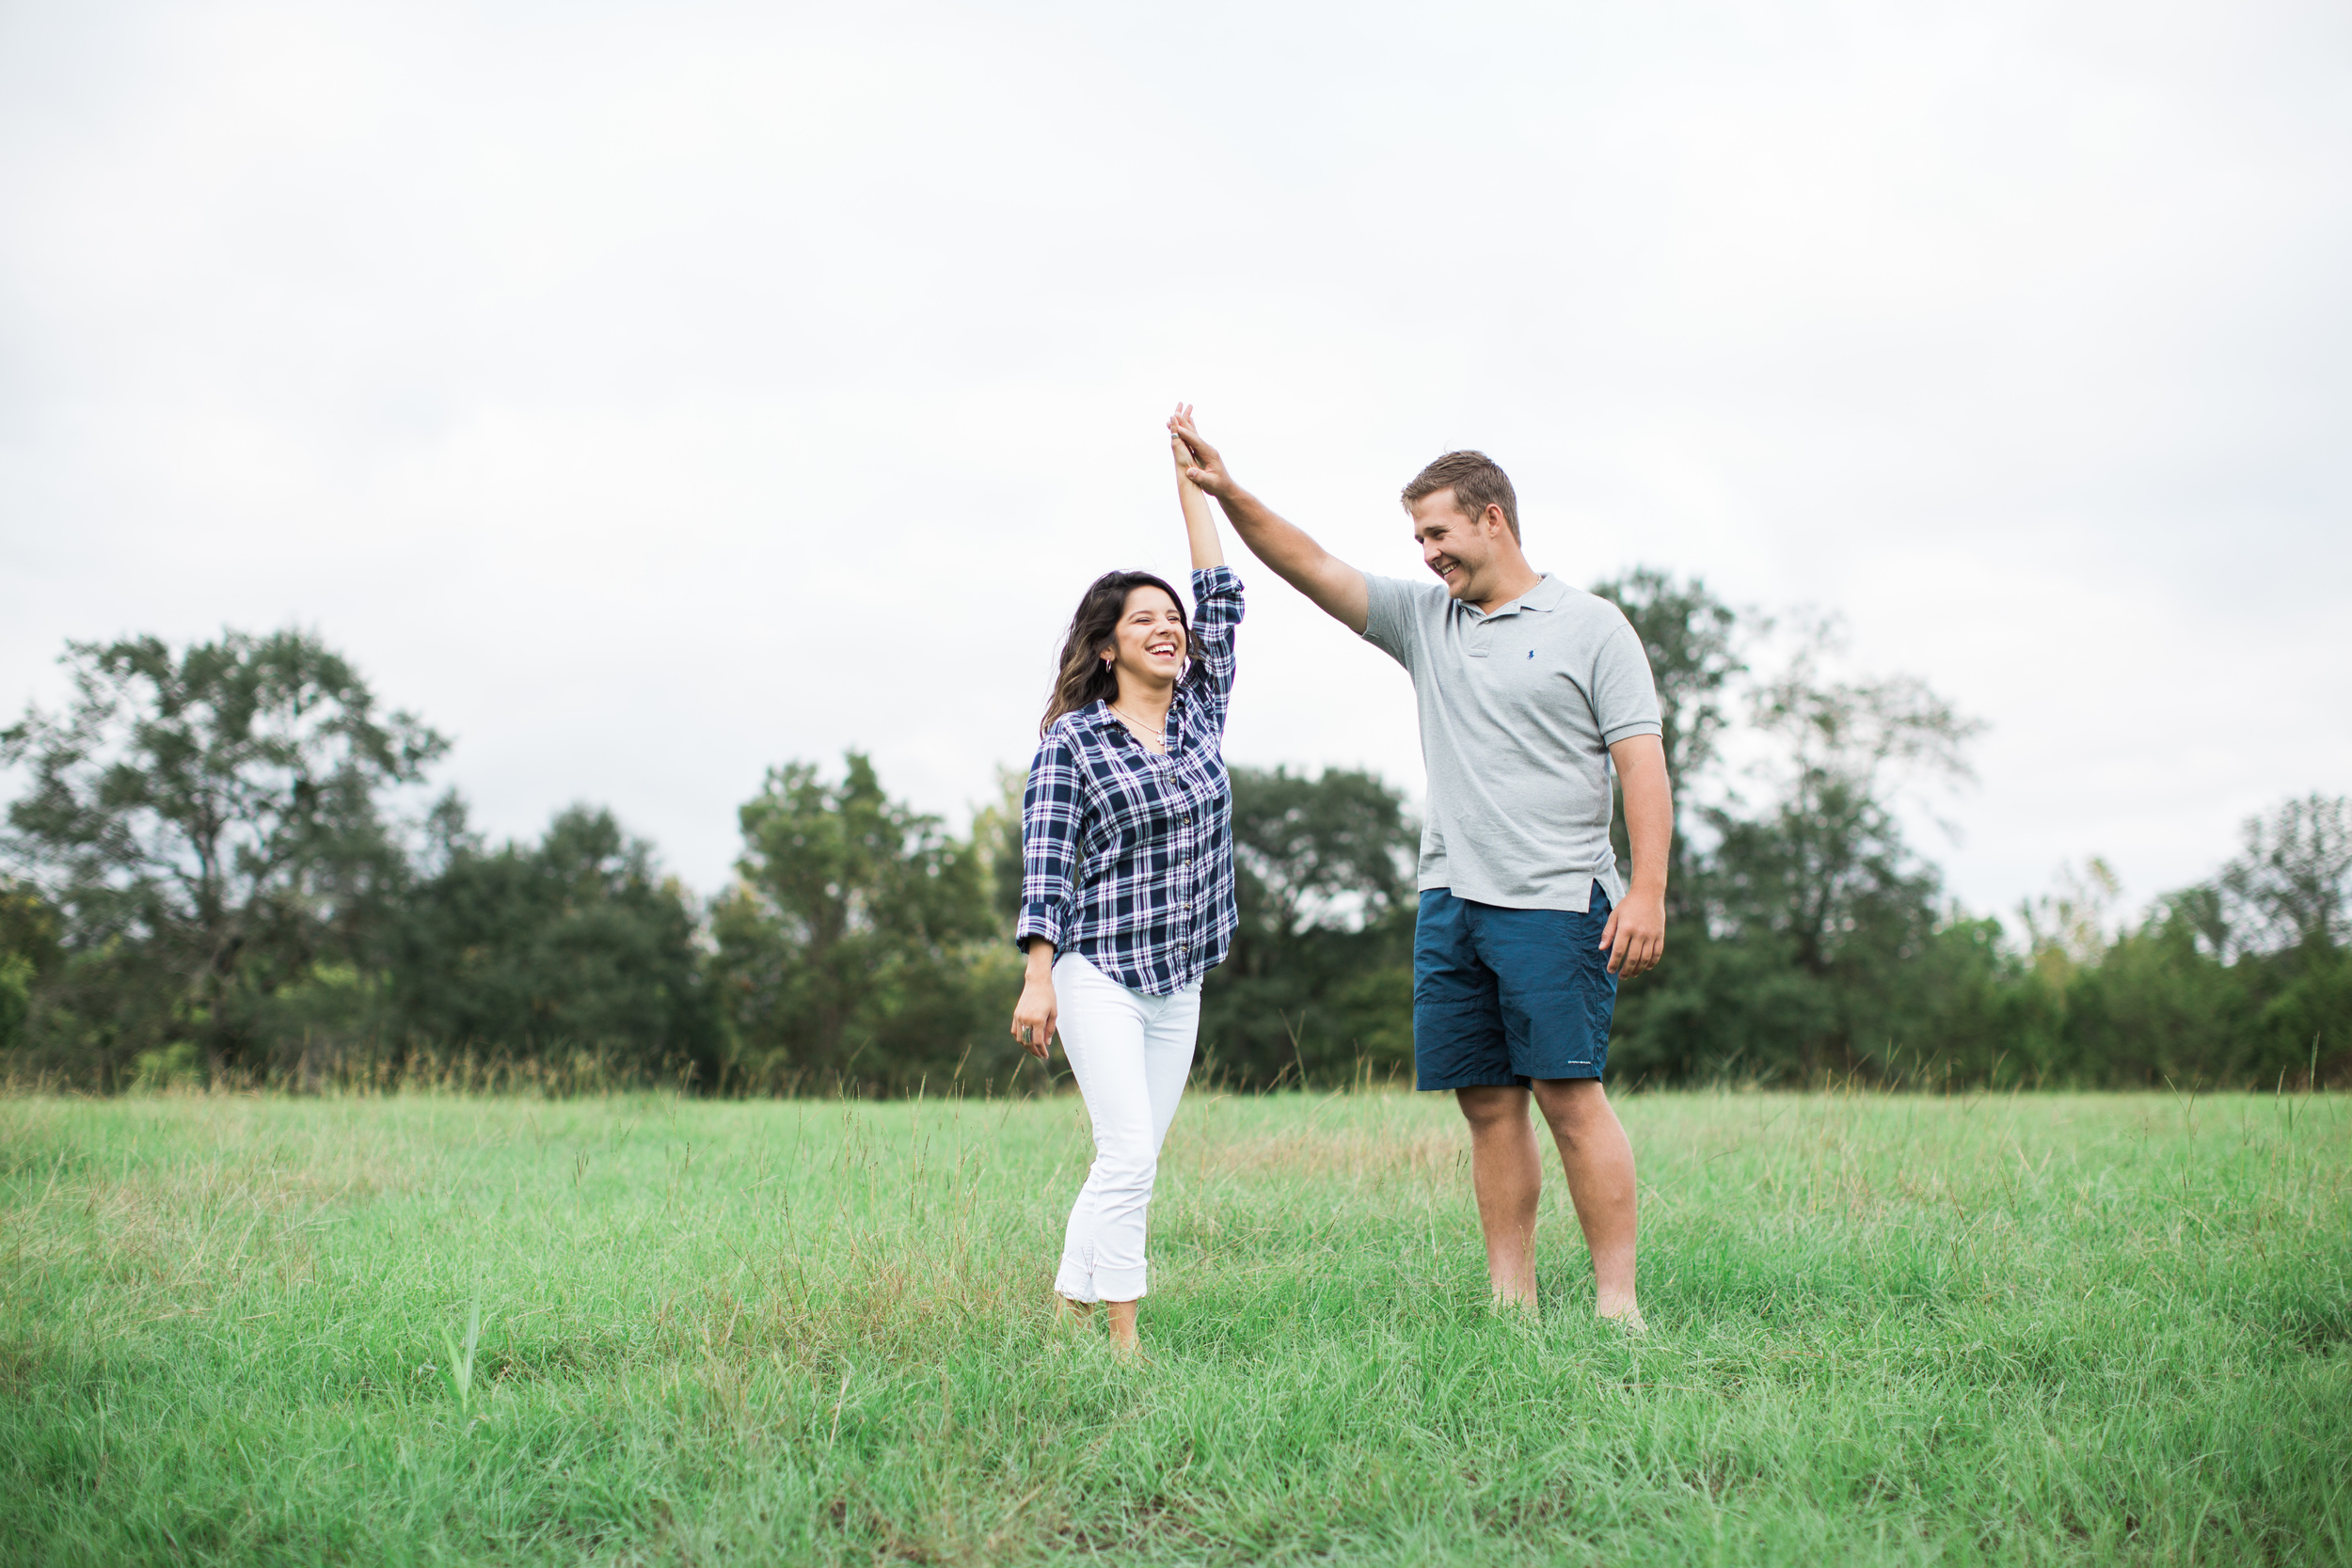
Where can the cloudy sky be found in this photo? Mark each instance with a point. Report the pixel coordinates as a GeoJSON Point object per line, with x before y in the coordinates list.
{"type": "Point", "coordinates": [646, 394]}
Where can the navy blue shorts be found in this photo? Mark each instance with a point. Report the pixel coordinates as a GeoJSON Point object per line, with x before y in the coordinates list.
{"type": "Point", "coordinates": [1500, 996]}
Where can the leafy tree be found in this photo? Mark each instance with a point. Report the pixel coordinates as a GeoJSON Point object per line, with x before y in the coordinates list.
{"type": "Point", "coordinates": [574, 945]}
{"type": "Point", "coordinates": [30, 930]}
{"type": "Point", "coordinates": [1319, 978]}
{"type": "Point", "coordinates": [209, 875]}
{"type": "Point", "coordinates": [29, 952]}
{"type": "Point", "coordinates": [2240, 980]}
{"type": "Point", "coordinates": [211, 824]}
{"type": "Point", "coordinates": [2304, 1030]}
{"type": "Point", "coordinates": [2166, 1002]}
{"type": "Point", "coordinates": [2288, 886]}
{"type": "Point", "coordinates": [996, 838]}
{"type": "Point", "coordinates": [16, 1003]}
{"type": "Point", "coordinates": [2068, 928]}
{"type": "Point", "coordinates": [68, 1014]}
{"type": "Point", "coordinates": [1831, 850]}
{"type": "Point", "coordinates": [850, 950]}
{"type": "Point", "coordinates": [1813, 913]}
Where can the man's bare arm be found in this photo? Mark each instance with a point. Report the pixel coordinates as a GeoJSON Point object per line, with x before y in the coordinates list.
{"type": "Point", "coordinates": [1337, 588]}
{"type": "Point", "coordinates": [1636, 932]}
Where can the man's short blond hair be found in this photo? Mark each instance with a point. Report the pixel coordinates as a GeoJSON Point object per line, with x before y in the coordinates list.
{"type": "Point", "coordinates": [1477, 482]}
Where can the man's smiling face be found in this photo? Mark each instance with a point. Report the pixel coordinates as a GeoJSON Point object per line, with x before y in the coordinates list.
{"type": "Point", "coordinates": [1461, 550]}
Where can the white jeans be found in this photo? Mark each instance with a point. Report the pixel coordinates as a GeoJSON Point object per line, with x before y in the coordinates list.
{"type": "Point", "coordinates": [1131, 1052]}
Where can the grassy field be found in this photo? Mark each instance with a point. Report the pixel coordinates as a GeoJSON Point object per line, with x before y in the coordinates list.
{"type": "Point", "coordinates": [2056, 1329]}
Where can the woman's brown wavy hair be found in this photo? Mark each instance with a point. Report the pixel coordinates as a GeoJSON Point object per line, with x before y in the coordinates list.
{"type": "Point", "coordinates": [1084, 678]}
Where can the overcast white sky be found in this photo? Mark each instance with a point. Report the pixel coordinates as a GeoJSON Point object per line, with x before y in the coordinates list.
{"type": "Point", "coordinates": [646, 394]}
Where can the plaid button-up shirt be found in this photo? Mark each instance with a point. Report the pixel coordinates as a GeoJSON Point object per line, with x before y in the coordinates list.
{"type": "Point", "coordinates": [1127, 856]}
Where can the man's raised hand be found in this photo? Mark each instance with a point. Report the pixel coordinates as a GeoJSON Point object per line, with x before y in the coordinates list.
{"type": "Point", "coordinates": [1206, 470]}
{"type": "Point", "coordinates": [1337, 588]}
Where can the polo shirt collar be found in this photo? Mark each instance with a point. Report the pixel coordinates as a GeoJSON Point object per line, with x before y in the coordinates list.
{"type": "Point", "coordinates": [1544, 596]}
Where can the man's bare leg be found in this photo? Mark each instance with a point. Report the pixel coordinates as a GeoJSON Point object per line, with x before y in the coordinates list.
{"type": "Point", "coordinates": [1507, 1172]}
{"type": "Point", "coordinates": [1072, 1314]}
{"type": "Point", "coordinates": [1598, 1159]}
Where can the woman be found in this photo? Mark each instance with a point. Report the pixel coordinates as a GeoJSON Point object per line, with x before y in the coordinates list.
{"type": "Point", "coordinates": [1127, 884]}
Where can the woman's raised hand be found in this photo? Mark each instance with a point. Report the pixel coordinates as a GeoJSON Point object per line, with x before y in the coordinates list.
{"type": "Point", "coordinates": [1199, 525]}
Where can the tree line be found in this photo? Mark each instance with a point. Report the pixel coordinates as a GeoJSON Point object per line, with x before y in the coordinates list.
{"type": "Point", "coordinates": [223, 864]}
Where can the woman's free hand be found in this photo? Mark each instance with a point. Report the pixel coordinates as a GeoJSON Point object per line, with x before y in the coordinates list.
{"type": "Point", "coordinates": [1034, 1019]}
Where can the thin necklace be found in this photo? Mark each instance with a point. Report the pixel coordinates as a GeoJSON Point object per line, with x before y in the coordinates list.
{"type": "Point", "coordinates": [1159, 735]}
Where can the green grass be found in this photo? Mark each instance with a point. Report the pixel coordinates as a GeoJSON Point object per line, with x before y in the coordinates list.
{"type": "Point", "coordinates": [2055, 1329]}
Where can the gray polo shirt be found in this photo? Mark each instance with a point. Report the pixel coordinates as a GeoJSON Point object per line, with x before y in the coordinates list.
{"type": "Point", "coordinates": [1517, 712]}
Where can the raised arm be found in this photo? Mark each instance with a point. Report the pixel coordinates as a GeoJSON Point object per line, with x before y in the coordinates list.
{"type": "Point", "coordinates": [1337, 588]}
{"type": "Point", "coordinates": [1199, 522]}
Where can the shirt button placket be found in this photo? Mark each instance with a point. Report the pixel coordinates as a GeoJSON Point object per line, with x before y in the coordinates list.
{"type": "Point", "coordinates": [1183, 890]}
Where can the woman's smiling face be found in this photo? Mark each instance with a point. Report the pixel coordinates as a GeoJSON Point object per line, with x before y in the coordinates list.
{"type": "Point", "coordinates": [1150, 640]}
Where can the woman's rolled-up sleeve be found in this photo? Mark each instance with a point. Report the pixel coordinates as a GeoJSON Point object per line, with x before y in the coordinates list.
{"type": "Point", "coordinates": [1217, 609]}
{"type": "Point", "coordinates": [1052, 814]}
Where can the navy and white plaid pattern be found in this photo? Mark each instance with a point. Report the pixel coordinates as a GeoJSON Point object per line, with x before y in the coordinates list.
{"type": "Point", "coordinates": [1127, 856]}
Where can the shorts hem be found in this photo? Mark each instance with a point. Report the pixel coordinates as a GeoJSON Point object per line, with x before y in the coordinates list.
{"type": "Point", "coordinates": [1468, 1081]}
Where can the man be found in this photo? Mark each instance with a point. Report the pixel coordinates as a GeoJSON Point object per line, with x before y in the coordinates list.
{"type": "Point", "coordinates": [1528, 690]}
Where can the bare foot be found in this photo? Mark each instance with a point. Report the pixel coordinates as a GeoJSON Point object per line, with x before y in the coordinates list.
{"type": "Point", "coordinates": [1627, 1317]}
